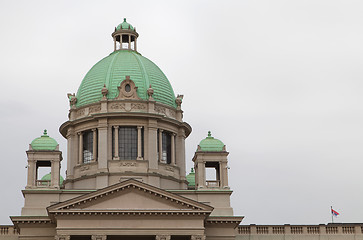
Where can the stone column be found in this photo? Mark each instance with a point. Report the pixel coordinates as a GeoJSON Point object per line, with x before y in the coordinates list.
{"type": "Point", "coordinates": [173, 149]}
{"type": "Point", "coordinates": [162, 237]}
{"type": "Point", "coordinates": [80, 148]}
{"type": "Point", "coordinates": [31, 174]}
{"type": "Point", "coordinates": [160, 145]}
{"type": "Point", "coordinates": [139, 143]}
{"type": "Point", "coordinates": [94, 133]}
{"type": "Point", "coordinates": [99, 237]}
{"type": "Point", "coordinates": [223, 175]}
{"type": "Point", "coordinates": [201, 175]}
{"type": "Point", "coordinates": [121, 41]}
{"type": "Point", "coordinates": [62, 237]}
{"type": "Point", "coordinates": [135, 44]}
{"type": "Point", "coordinates": [114, 43]}
{"type": "Point", "coordinates": [116, 157]}
{"type": "Point", "coordinates": [55, 174]}
{"type": "Point", "coordinates": [129, 42]}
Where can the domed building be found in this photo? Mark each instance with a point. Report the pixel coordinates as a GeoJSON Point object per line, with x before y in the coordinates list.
{"type": "Point", "coordinates": [126, 175]}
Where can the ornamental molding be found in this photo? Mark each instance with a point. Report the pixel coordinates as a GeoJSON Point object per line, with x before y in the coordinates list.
{"type": "Point", "coordinates": [127, 89]}
{"type": "Point", "coordinates": [174, 204]}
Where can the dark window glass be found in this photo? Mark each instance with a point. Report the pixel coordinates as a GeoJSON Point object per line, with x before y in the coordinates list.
{"type": "Point", "coordinates": [127, 88]}
{"type": "Point", "coordinates": [87, 146]}
{"type": "Point", "coordinates": [166, 148]}
{"type": "Point", "coordinates": [127, 143]}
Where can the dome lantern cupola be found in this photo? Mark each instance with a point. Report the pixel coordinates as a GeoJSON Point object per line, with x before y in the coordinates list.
{"type": "Point", "coordinates": [124, 37]}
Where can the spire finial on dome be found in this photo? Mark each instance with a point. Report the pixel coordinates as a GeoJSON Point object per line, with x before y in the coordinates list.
{"type": "Point", "coordinates": [124, 19]}
{"type": "Point", "coordinates": [192, 170]}
{"type": "Point", "coordinates": [209, 134]}
{"type": "Point", "coordinates": [45, 132]}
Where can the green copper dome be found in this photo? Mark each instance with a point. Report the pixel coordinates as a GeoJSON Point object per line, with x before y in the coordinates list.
{"type": "Point", "coordinates": [210, 144]}
{"type": "Point", "coordinates": [124, 25]}
{"type": "Point", "coordinates": [113, 69]}
{"type": "Point", "coordinates": [48, 177]}
{"type": "Point", "coordinates": [191, 178]}
{"type": "Point", "coordinates": [44, 143]}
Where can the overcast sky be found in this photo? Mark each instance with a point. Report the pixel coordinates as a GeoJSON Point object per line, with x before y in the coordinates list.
{"type": "Point", "coordinates": [279, 82]}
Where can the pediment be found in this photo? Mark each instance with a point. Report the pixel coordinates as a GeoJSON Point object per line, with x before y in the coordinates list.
{"type": "Point", "coordinates": [130, 196]}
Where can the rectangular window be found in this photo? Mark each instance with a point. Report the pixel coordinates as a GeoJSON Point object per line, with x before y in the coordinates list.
{"type": "Point", "coordinates": [127, 143]}
{"type": "Point", "coordinates": [166, 148]}
{"type": "Point", "coordinates": [87, 146]}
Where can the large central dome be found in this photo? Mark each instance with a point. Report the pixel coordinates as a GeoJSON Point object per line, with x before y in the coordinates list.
{"type": "Point", "coordinates": [113, 69]}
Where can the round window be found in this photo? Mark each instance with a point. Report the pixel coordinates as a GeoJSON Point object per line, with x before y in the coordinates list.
{"type": "Point", "coordinates": [127, 88]}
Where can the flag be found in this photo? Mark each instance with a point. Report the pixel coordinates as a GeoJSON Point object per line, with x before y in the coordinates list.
{"type": "Point", "coordinates": [334, 213]}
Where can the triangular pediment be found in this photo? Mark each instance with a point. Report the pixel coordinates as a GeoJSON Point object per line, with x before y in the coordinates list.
{"type": "Point", "coordinates": [130, 196]}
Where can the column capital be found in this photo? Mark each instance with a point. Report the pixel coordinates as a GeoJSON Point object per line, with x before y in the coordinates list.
{"type": "Point", "coordinates": [116, 127]}
{"type": "Point", "coordinates": [80, 133]}
{"type": "Point", "coordinates": [94, 129]}
{"type": "Point", "coordinates": [161, 130]}
{"type": "Point", "coordinates": [139, 127]}
{"type": "Point", "coordinates": [162, 237]}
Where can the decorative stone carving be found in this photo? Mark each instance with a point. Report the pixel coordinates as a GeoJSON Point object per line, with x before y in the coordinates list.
{"type": "Point", "coordinates": [84, 168]}
{"type": "Point", "coordinates": [127, 89]}
{"type": "Point", "coordinates": [138, 106]}
{"type": "Point", "coordinates": [128, 164]}
{"type": "Point", "coordinates": [179, 101]}
{"type": "Point", "coordinates": [116, 106]}
{"type": "Point", "coordinates": [94, 109]}
{"type": "Point", "coordinates": [104, 92]}
{"type": "Point", "coordinates": [72, 99]}
{"type": "Point", "coordinates": [162, 237]}
{"type": "Point", "coordinates": [81, 112]}
{"type": "Point", "coordinates": [150, 92]}
{"type": "Point", "coordinates": [170, 169]}
{"type": "Point", "coordinates": [160, 110]}
{"type": "Point", "coordinates": [62, 237]}
{"type": "Point", "coordinates": [171, 113]}
{"type": "Point", "coordinates": [98, 237]}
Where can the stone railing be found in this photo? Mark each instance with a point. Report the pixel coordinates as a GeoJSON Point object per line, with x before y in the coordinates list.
{"type": "Point", "coordinates": [8, 230]}
{"type": "Point", "coordinates": [287, 229]}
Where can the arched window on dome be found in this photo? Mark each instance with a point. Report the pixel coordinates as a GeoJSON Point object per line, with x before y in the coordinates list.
{"type": "Point", "coordinates": [127, 143]}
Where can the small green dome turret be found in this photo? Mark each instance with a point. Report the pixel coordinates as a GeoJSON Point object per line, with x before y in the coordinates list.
{"type": "Point", "coordinates": [44, 142]}
{"type": "Point", "coordinates": [211, 144]}
{"type": "Point", "coordinates": [48, 177]}
{"type": "Point", "coordinates": [124, 25]}
{"type": "Point", "coordinates": [191, 178]}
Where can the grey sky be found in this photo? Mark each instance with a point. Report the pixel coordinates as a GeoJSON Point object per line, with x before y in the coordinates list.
{"type": "Point", "coordinates": [279, 82]}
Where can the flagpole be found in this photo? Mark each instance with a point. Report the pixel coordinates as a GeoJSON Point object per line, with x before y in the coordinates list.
{"type": "Point", "coordinates": [331, 211]}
